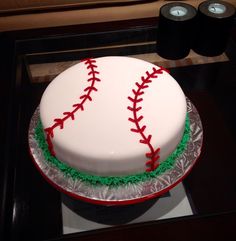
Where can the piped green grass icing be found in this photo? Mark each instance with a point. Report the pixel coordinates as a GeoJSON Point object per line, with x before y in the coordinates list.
{"type": "Point", "coordinates": [111, 180]}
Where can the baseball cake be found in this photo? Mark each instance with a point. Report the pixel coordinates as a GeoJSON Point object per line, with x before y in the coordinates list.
{"type": "Point", "coordinates": [113, 117]}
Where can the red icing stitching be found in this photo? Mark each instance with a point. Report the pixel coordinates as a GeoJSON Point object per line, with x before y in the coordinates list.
{"type": "Point", "coordinates": [153, 154]}
{"type": "Point", "coordinates": [59, 122]}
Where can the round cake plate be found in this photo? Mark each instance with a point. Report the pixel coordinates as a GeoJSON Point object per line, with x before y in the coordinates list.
{"type": "Point", "coordinates": [124, 194]}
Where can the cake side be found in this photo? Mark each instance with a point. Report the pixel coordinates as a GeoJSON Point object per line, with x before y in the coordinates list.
{"type": "Point", "coordinates": [97, 137]}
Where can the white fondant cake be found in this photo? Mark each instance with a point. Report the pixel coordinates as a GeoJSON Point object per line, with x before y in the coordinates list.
{"type": "Point", "coordinates": [113, 116]}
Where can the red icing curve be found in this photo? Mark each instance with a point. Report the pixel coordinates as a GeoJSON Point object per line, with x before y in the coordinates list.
{"type": "Point", "coordinates": [153, 154]}
{"type": "Point", "coordinates": [60, 122]}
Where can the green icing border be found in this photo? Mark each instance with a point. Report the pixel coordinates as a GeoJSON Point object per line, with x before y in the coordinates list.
{"type": "Point", "coordinates": [111, 180]}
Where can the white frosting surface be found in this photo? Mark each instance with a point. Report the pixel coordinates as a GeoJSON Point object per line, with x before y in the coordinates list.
{"type": "Point", "coordinates": [99, 140]}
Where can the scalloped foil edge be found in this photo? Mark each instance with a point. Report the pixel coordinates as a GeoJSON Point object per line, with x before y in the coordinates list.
{"type": "Point", "coordinates": [125, 193]}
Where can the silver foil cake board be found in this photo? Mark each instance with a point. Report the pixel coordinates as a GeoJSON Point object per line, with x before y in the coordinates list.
{"type": "Point", "coordinates": [80, 216]}
{"type": "Point", "coordinates": [132, 193]}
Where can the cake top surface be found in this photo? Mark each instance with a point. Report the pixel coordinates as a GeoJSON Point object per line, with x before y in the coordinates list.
{"type": "Point", "coordinates": [98, 108]}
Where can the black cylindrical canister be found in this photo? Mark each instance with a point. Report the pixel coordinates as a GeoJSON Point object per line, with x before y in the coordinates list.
{"type": "Point", "coordinates": [213, 22]}
{"type": "Point", "coordinates": [174, 35]}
